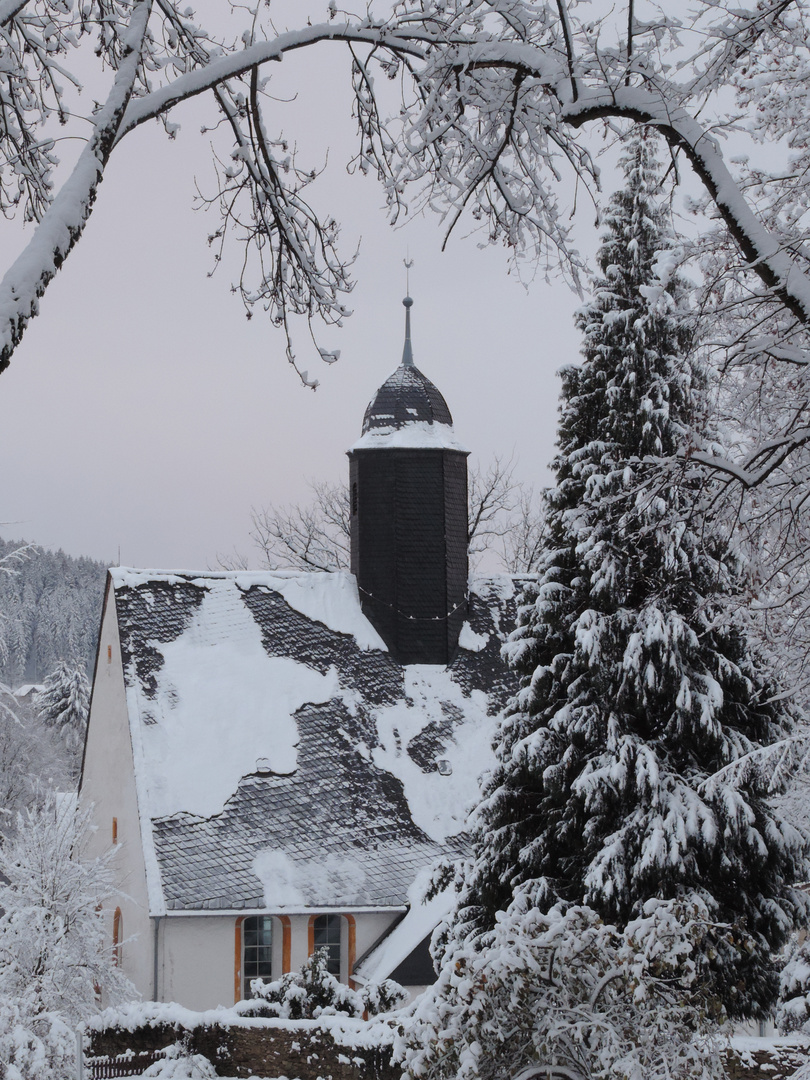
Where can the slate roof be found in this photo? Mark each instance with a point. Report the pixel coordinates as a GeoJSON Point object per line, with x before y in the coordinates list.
{"type": "Point", "coordinates": [283, 759]}
{"type": "Point", "coordinates": [406, 397]}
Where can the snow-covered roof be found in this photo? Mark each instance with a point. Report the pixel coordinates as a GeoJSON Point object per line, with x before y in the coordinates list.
{"type": "Point", "coordinates": [283, 759]}
{"type": "Point", "coordinates": [421, 919]}
{"type": "Point", "coordinates": [27, 689]}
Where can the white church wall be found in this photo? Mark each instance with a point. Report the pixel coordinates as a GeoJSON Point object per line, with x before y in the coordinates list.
{"type": "Point", "coordinates": [200, 959]}
{"type": "Point", "coordinates": [108, 786]}
{"type": "Point", "coordinates": [197, 960]}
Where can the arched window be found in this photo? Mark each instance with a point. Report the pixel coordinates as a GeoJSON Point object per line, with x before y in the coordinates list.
{"type": "Point", "coordinates": [257, 950]}
{"type": "Point", "coordinates": [118, 937]}
{"type": "Point", "coordinates": [326, 935]}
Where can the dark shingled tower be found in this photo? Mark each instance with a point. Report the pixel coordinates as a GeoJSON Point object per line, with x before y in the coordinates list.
{"type": "Point", "coordinates": [408, 484]}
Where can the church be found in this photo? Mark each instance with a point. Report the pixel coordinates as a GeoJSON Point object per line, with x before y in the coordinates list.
{"type": "Point", "coordinates": [281, 757]}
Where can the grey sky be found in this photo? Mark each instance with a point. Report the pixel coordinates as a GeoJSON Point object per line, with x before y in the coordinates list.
{"type": "Point", "coordinates": [143, 410]}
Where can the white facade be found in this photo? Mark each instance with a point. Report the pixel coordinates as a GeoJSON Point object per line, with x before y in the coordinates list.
{"type": "Point", "coordinates": [108, 785]}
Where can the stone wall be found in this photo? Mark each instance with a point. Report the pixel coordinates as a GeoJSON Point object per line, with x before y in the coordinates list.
{"type": "Point", "coordinates": [779, 1061]}
{"type": "Point", "coordinates": [299, 1050]}
{"type": "Point", "coordinates": [313, 1050]}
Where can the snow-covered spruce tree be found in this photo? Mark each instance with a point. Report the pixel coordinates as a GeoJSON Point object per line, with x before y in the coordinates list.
{"type": "Point", "coordinates": [63, 705]}
{"type": "Point", "coordinates": [637, 691]}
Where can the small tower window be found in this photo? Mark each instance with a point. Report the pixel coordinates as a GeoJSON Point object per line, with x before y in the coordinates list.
{"type": "Point", "coordinates": [326, 935]}
{"type": "Point", "coordinates": [257, 950]}
{"type": "Point", "coordinates": [354, 498]}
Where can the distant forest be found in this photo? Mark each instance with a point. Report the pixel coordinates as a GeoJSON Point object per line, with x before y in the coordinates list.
{"type": "Point", "coordinates": [50, 604]}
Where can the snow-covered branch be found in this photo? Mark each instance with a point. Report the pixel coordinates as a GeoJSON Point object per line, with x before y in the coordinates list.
{"type": "Point", "coordinates": [63, 224]}
{"type": "Point", "coordinates": [10, 8]}
{"type": "Point", "coordinates": [496, 97]}
{"type": "Point", "coordinates": [227, 67]}
{"type": "Point", "coordinates": [493, 1013]}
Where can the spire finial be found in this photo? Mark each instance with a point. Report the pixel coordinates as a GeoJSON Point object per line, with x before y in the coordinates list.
{"type": "Point", "coordinates": [407, 352]}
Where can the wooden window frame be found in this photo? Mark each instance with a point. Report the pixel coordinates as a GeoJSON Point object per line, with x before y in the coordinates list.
{"type": "Point", "coordinates": [117, 949]}
{"type": "Point", "coordinates": [286, 949]}
{"type": "Point", "coordinates": [351, 943]}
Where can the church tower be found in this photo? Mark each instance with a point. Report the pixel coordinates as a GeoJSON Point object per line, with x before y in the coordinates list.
{"type": "Point", "coordinates": [408, 490]}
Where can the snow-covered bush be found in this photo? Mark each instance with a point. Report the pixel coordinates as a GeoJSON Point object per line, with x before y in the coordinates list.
{"type": "Point", "coordinates": [313, 992]}
{"type": "Point", "coordinates": [793, 1012]}
{"type": "Point", "coordinates": [53, 946]}
{"type": "Point", "coordinates": [178, 1063]}
{"type": "Point", "coordinates": [564, 994]}
{"type": "Point", "coordinates": [34, 1044]}
{"type": "Point", "coordinates": [383, 997]}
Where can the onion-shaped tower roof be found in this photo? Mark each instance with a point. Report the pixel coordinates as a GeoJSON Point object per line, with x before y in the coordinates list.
{"type": "Point", "coordinates": [407, 396]}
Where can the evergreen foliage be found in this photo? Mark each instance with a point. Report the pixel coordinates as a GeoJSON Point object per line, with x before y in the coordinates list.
{"type": "Point", "coordinates": [63, 704]}
{"type": "Point", "coordinates": [637, 688]}
{"type": "Point", "coordinates": [793, 1013]}
{"type": "Point", "coordinates": [32, 760]}
{"type": "Point", "coordinates": [50, 604]}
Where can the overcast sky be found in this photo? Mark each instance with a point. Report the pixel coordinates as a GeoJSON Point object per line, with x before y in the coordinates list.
{"type": "Point", "coordinates": [144, 414]}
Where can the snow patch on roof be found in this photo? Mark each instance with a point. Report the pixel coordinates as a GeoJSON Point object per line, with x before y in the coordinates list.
{"type": "Point", "coordinates": [414, 435]}
{"type": "Point", "coordinates": [439, 801]}
{"type": "Point", "coordinates": [335, 879]}
{"type": "Point", "coordinates": [221, 703]}
{"type": "Point", "coordinates": [27, 689]}
{"type": "Point", "coordinates": [498, 586]}
{"type": "Point", "coordinates": [329, 598]}
{"type": "Point", "coordinates": [218, 668]}
{"type": "Point", "coordinates": [469, 640]}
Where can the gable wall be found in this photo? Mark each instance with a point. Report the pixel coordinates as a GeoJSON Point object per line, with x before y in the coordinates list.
{"type": "Point", "coordinates": [108, 785]}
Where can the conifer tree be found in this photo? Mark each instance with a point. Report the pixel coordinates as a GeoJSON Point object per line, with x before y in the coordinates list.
{"type": "Point", "coordinates": [615, 782]}
{"type": "Point", "coordinates": [63, 704]}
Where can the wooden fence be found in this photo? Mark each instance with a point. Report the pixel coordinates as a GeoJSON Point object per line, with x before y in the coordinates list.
{"type": "Point", "coordinates": [132, 1064]}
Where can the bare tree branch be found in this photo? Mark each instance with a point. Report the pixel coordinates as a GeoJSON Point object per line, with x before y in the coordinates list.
{"type": "Point", "coordinates": [504, 522]}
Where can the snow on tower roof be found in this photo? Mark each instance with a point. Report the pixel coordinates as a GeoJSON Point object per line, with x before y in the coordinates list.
{"type": "Point", "coordinates": [406, 397]}
{"type": "Point", "coordinates": [283, 759]}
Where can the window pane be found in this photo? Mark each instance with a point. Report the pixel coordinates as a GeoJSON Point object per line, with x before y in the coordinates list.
{"type": "Point", "coordinates": [326, 935]}
{"type": "Point", "coordinates": [327, 930]}
{"type": "Point", "coordinates": [257, 950]}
